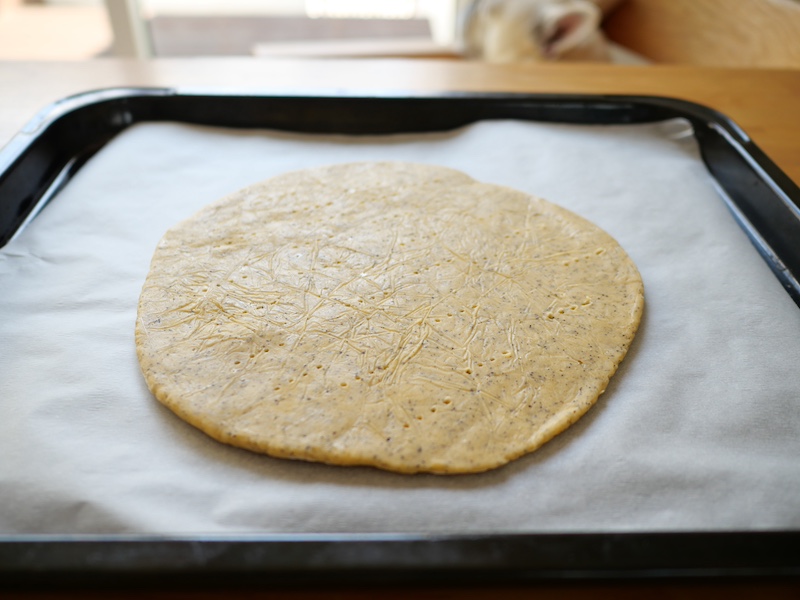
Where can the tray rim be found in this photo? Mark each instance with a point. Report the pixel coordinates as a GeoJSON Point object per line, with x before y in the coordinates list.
{"type": "Point", "coordinates": [277, 560]}
{"type": "Point", "coordinates": [46, 560]}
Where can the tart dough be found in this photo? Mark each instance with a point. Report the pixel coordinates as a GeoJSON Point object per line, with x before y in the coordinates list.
{"type": "Point", "coordinates": [402, 316]}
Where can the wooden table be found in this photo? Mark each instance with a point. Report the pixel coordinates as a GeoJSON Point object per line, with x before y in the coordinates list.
{"type": "Point", "coordinates": [763, 102]}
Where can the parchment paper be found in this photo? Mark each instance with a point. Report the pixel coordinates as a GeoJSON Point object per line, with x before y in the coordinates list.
{"type": "Point", "coordinates": [698, 430]}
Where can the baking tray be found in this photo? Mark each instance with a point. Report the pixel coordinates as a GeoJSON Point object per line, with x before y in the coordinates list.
{"type": "Point", "coordinates": [42, 158]}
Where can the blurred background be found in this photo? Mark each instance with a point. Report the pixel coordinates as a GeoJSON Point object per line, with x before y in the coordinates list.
{"type": "Point", "coordinates": [722, 33]}
{"type": "Point", "coordinates": [83, 29]}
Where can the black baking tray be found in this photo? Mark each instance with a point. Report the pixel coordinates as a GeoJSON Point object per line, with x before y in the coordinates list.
{"type": "Point", "coordinates": [50, 149]}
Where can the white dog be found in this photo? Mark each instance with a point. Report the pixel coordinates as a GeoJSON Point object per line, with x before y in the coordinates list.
{"type": "Point", "coordinates": [503, 31]}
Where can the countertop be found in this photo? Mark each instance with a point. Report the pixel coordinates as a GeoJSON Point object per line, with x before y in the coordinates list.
{"type": "Point", "coordinates": [763, 102]}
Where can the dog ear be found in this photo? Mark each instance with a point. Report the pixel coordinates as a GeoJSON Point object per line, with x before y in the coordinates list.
{"type": "Point", "coordinates": [567, 25]}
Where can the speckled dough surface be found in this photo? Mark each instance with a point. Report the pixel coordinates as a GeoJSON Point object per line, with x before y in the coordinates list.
{"type": "Point", "coordinates": [396, 315]}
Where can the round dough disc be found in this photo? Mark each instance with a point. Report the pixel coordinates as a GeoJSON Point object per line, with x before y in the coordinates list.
{"type": "Point", "coordinates": [396, 315]}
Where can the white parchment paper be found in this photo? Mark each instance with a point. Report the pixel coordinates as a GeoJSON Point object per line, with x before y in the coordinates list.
{"type": "Point", "coordinates": [700, 428]}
